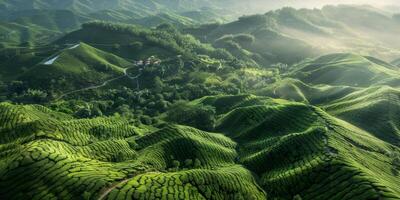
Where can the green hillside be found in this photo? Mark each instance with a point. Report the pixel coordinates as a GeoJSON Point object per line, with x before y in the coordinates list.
{"type": "Point", "coordinates": [136, 42]}
{"type": "Point", "coordinates": [375, 109]}
{"type": "Point", "coordinates": [73, 68]}
{"type": "Point", "coordinates": [255, 34]}
{"type": "Point", "coordinates": [48, 20]}
{"type": "Point", "coordinates": [138, 161]}
{"type": "Point", "coordinates": [93, 5]}
{"type": "Point", "coordinates": [170, 18]}
{"type": "Point", "coordinates": [289, 35]}
{"type": "Point", "coordinates": [344, 69]}
{"type": "Point", "coordinates": [396, 62]}
{"type": "Point", "coordinates": [296, 90]}
{"type": "Point", "coordinates": [170, 99]}
{"type": "Point", "coordinates": [14, 34]}
{"type": "Point", "coordinates": [58, 20]}
{"type": "Point", "coordinates": [38, 27]}
{"type": "Point", "coordinates": [310, 143]}
{"type": "Point", "coordinates": [133, 161]}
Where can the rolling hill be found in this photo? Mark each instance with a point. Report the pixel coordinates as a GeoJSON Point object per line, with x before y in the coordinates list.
{"type": "Point", "coordinates": [257, 108]}
{"type": "Point", "coordinates": [128, 156]}
{"type": "Point", "coordinates": [75, 67]}
{"type": "Point", "coordinates": [49, 20]}
{"type": "Point", "coordinates": [375, 109]}
{"type": "Point", "coordinates": [396, 62]}
{"type": "Point", "coordinates": [57, 153]}
{"type": "Point", "coordinates": [14, 34]}
{"type": "Point", "coordinates": [344, 69]}
{"type": "Point", "coordinates": [289, 35]}
{"type": "Point", "coordinates": [296, 90]}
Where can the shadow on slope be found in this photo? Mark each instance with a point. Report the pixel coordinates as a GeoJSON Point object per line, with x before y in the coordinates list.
{"type": "Point", "coordinates": [74, 68]}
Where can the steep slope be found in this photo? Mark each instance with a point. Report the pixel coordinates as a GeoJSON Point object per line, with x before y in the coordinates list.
{"type": "Point", "coordinates": [295, 90]}
{"type": "Point", "coordinates": [75, 67]}
{"type": "Point", "coordinates": [302, 33]}
{"type": "Point", "coordinates": [14, 34]}
{"type": "Point", "coordinates": [136, 42]}
{"type": "Point", "coordinates": [57, 20]}
{"type": "Point", "coordinates": [52, 155]}
{"type": "Point", "coordinates": [170, 18]}
{"type": "Point", "coordinates": [396, 62]}
{"type": "Point", "coordinates": [258, 35]}
{"type": "Point", "coordinates": [117, 11]}
{"type": "Point", "coordinates": [88, 6]}
{"type": "Point", "coordinates": [345, 70]}
{"type": "Point", "coordinates": [61, 17]}
{"type": "Point", "coordinates": [300, 150]}
{"type": "Point", "coordinates": [38, 27]}
{"type": "Point", "coordinates": [375, 109]}
{"type": "Point", "coordinates": [294, 150]}
{"type": "Point", "coordinates": [357, 16]}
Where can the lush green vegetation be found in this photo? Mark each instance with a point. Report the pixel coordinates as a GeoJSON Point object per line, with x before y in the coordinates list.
{"type": "Point", "coordinates": [290, 35]}
{"type": "Point", "coordinates": [242, 110]}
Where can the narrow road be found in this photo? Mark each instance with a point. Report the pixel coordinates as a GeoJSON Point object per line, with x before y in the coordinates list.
{"type": "Point", "coordinates": [125, 71]}
{"type": "Point", "coordinates": [101, 85]}
{"type": "Point", "coordinates": [104, 192]}
{"type": "Point", "coordinates": [89, 88]}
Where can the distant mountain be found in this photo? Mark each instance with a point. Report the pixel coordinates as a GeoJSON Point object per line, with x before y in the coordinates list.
{"type": "Point", "coordinates": [290, 35]}
{"type": "Point", "coordinates": [13, 34]}
{"type": "Point", "coordinates": [38, 26]}
{"type": "Point", "coordinates": [116, 10]}
{"type": "Point", "coordinates": [64, 16]}
{"type": "Point", "coordinates": [120, 111]}
{"type": "Point", "coordinates": [396, 62]}
{"type": "Point", "coordinates": [87, 6]}
{"type": "Point", "coordinates": [59, 20]}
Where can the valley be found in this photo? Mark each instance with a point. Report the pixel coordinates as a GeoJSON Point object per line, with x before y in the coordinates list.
{"type": "Point", "coordinates": [129, 99]}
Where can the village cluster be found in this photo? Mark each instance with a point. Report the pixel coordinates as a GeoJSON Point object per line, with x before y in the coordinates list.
{"type": "Point", "coordinates": [152, 60]}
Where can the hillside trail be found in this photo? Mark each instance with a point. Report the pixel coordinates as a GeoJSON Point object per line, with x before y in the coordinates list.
{"type": "Point", "coordinates": [102, 84]}
{"type": "Point", "coordinates": [104, 192]}
{"type": "Point", "coordinates": [125, 71]}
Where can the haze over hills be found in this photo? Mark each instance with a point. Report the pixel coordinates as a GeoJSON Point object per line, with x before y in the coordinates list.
{"type": "Point", "coordinates": [297, 34]}
{"type": "Point", "coordinates": [135, 99]}
{"type": "Point", "coordinates": [38, 16]}
{"type": "Point", "coordinates": [396, 62]}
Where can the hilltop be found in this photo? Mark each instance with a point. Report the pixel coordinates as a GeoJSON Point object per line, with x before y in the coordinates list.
{"type": "Point", "coordinates": [158, 160]}
{"type": "Point", "coordinates": [73, 68]}
{"type": "Point", "coordinates": [289, 35]}
{"type": "Point", "coordinates": [344, 69]}
{"type": "Point", "coordinates": [257, 108]}
{"type": "Point", "coordinates": [51, 20]}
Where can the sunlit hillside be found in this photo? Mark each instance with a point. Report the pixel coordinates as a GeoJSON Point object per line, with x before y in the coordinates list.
{"type": "Point", "coordinates": [199, 99]}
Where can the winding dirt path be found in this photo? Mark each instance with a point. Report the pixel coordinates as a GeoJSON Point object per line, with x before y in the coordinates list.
{"type": "Point", "coordinates": [125, 71]}
{"type": "Point", "coordinates": [104, 192]}
{"type": "Point", "coordinates": [100, 85]}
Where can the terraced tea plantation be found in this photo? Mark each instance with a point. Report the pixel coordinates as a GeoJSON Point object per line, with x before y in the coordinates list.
{"type": "Point", "coordinates": [289, 142]}
{"type": "Point", "coordinates": [49, 155]}
{"type": "Point", "coordinates": [280, 149]}
{"type": "Point", "coordinates": [178, 100]}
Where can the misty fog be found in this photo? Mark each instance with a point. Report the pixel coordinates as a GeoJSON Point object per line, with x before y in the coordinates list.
{"type": "Point", "coordinates": [252, 6]}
